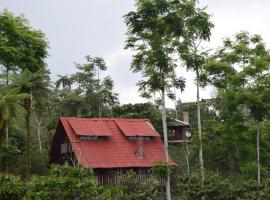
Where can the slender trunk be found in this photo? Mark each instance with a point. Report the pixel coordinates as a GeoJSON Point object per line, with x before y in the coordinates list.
{"type": "Point", "coordinates": [7, 138]}
{"type": "Point", "coordinates": [258, 154]}
{"type": "Point", "coordinates": [175, 104]}
{"type": "Point", "coordinates": [7, 76]}
{"type": "Point", "coordinates": [99, 110]}
{"type": "Point", "coordinates": [99, 107]}
{"type": "Point", "coordinates": [164, 124]}
{"type": "Point", "coordinates": [7, 135]}
{"type": "Point", "coordinates": [39, 139]}
{"type": "Point", "coordinates": [199, 128]}
{"type": "Point", "coordinates": [186, 151]}
{"type": "Point", "coordinates": [28, 135]}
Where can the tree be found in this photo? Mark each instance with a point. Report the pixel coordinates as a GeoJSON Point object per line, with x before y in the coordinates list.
{"type": "Point", "coordinates": [197, 29]}
{"type": "Point", "coordinates": [240, 71]}
{"type": "Point", "coordinates": [22, 50]}
{"type": "Point", "coordinates": [10, 108]}
{"type": "Point", "coordinates": [154, 31]}
{"type": "Point", "coordinates": [63, 81]}
{"type": "Point", "coordinates": [36, 85]}
{"type": "Point", "coordinates": [96, 92]}
{"type": "Point", "coordinates": [21, 46]}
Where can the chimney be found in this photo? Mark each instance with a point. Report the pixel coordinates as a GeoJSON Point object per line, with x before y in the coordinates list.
{"type": "Point", "coordinates": [186, 117]}
{"type": "Point", "coordinates": [139, 148]}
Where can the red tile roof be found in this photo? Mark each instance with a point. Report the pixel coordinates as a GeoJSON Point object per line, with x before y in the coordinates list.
{"type": "Point", "coordinates": [117, 151]}
{"type": "Point", "coordinates": [84, 127]}
{"type": "Point", "coordinates": [136, 128]}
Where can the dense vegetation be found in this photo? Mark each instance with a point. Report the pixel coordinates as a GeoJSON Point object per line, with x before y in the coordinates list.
{"type": "Point", "coordinates": [228, 155]}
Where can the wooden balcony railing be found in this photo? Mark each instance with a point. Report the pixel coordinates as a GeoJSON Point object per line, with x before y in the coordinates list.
{"type": "Point", "coordinates": [111, 180]}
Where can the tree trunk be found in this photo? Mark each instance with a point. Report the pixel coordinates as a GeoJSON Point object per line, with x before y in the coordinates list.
{"type": "Point", "coordinates": [186, 151]}
{"type": "Point", "coordinates": [7, 76]}
{"type": "Point", "coordinates": [258, 154]}
{"type": "Point", "coordinates": [7, 135]}
{"type": "Point", "coordinates": [164, 124]}
{"type": "Point", "coordinates": [39, 124]}
{"type": "Point", "coordinates": [7, 138]}
{"type": "Point", "coordinates": [199, 127]}
{"type": "Point", "coordinates": [28, 135]}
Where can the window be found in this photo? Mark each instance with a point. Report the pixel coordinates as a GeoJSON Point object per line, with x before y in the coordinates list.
{"type": "Point", "coordinates": [147, 138]}
{"type": "Point", "coordinates": [132, 138]}
{"type": "Point", "coordinates": [99, 138]}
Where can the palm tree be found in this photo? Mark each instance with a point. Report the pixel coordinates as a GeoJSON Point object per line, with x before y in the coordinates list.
{"type": "Point", "coordinates": [10, 107]}
{"type": "Point", "coordinates": [35, 84]}
{"type": "Point", "coordinates": [64, 81]}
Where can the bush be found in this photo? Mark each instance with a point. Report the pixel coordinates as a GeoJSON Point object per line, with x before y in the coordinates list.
{"type": "Point", "coordinates": [219, 188]}
{"type": "Point", "coordinates": [10, 188]}
{"type": "Point", "coordinates": [69, 183]}
{"type": "Point", "coordinates": [131, 188]}
{"type": "Point", "coordinates": [73, 172]}
{"type": "Point", "coordinates": [161, 169]}
{"type": "Point", "coordinates": [65, 188]}
{"type": "Point", "coordinates": [66, 183]}
{"type": "Point", "coordinates": [214, 188]}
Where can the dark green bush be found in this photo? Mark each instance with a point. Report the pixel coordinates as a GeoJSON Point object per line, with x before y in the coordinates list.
{"type": "Point", "coordinates": [69, 171]}
{"type": "Point", "coordinates": [66, 183]}
{"type": "Point", "coordinates": [10, 188]}
{"type": "Point", "coordinates": [65, 188]}
{"type": "Point", "coordinates": [161, 169]}
{"type": "Point", "coordinates": [219, 188]}
{"type": "Point", "coordinates": [131, 188]}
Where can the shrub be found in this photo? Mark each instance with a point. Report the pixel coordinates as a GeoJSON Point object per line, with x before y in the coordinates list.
{"type": "Point", "coordinates": [10, 188]}
{"type": "Point", "coordinates": [67, 170]}
{"type": "Point", "coordinates": [161, 169]}
{"type": "Point", "coordinates": [131, 188]}
{"type": "Point", "coordinates": [66, 183]}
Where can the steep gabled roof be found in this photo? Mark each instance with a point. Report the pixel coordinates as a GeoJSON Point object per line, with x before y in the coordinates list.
{"type": "Point", "coordinates": [117, 151]}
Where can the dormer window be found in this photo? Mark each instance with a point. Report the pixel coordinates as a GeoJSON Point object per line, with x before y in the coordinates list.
{"type": "Point", "coordinates": [132, 138]}
{"type": "Point", "coordinates": [147, 138]}
{"type": "Point", "coordinates": [97, 138]}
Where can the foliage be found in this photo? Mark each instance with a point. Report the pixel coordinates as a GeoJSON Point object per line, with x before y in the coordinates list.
{"type": "Point", "coordinates": [10, 187]}
{"type": "Point", "coordinates": [160, 169]}
{"type": "Point", "coordinates": [131, 188]}
{"type": "Point", "coordinates": [72, 172]}
{"type": "Point", "coordinates": [21, 46]}
{"type": "Point", "coordinates": [217, 187]}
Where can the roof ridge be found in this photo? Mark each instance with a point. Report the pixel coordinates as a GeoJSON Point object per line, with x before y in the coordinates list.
{"type": "Point", "coordinates": [104, 119]}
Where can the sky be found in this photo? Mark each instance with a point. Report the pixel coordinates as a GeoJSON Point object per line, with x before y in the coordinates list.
{"type": "Point", "coordinates": [78, 28]}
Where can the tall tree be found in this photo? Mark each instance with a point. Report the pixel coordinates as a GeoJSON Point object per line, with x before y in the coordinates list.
{"type": "Point", "coordinates": [197, 29]}
{"type": "Point", "coordinates": [22, 49]}
{"type": "Point", "coordinates": [96, 92]}
{"type": "Point", "coordinates": [36, 85]}
{"type": "Point", "coordinates": [154, 31]}
{"type": "Point", "coordinates": [10, 108]}
{"type": "Point", "coordinates": [240, 71]}
{"type": "Point", "coordinates": [21, 46]}
{"type": "Point", "coordinates": [64, 81]}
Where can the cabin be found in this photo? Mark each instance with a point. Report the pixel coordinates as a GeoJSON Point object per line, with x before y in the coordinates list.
{"type": "Point", "coordinates": [178, 130]}
{"type": "Point", "coordinates": [109, 146]}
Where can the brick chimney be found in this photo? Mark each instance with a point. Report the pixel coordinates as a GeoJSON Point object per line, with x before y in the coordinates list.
{"type": "Point", "coordinates": [139, 149]}
{"type": "Point", "coordinates": [186, 117]}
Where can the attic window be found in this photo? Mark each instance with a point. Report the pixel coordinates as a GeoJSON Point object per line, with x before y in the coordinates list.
{"type": "Point", "coordinates": [146, 138]}
{"type": "Point", "coordinates": [95, 138]}
{"type": "Point", "coordinates": [132, 138]}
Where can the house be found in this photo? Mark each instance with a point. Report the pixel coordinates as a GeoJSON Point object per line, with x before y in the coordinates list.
{"type": "Point", "coordinates": [107, 145]}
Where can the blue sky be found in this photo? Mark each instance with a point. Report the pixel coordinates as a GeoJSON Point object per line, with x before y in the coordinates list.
{"type": "Point", "coordinates": [96, 27]}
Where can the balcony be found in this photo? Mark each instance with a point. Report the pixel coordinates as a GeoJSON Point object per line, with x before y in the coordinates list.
{"type": "Point", "coordinates": [112, 180]}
